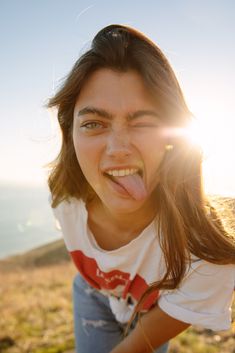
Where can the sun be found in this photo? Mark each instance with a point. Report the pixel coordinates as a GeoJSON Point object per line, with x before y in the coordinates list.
{"type": "Point", "coordinates": [215, 136]}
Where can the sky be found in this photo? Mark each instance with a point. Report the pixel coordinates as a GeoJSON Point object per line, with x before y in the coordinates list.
{"type": "Point", "coordinates": [41, 40]}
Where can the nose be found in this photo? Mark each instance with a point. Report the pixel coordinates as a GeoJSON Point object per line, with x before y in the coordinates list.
{"type": "Point", "coordinates": [118, 144]}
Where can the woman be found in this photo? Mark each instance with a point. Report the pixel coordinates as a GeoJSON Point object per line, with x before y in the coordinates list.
{"type": "Point", "coordinates": [127, 191]}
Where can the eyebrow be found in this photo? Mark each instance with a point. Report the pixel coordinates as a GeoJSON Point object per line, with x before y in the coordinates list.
{"type": "Point", "coordinates": [105, 114]}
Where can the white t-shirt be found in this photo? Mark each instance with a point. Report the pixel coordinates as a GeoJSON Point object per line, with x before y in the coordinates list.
{"type": "Point", "coordinates": [203, 298]}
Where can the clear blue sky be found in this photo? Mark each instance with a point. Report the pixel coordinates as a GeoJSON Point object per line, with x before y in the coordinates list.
{"type": "Point", "coordinates": [40, 41]}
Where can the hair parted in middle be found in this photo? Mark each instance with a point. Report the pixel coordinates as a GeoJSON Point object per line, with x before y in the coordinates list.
{"type": "Point", "coordinates": [182, 217]}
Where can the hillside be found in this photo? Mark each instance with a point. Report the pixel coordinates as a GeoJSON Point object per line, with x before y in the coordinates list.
{"type": "Point", "coordinates": [36, 307]}
{"type": "Point", "coordinates": [49, 254]}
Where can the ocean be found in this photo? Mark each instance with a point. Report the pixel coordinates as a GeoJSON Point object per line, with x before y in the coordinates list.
{"type": "Point", "coordinates": [26, 219]}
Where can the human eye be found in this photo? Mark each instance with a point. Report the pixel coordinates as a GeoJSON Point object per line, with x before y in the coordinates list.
{"type": "Point", "coordinates": [92, 126]}
{"type": "Point", "coordinates": [142, 125]}
{"type": "Point", "coordinates": [146, 123]}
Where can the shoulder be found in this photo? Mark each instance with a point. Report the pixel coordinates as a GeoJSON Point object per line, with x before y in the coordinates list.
{"type": "Point", "coordinates": [204, 296]}
{"type": "Point", "coordinates": [68, 207]}
{"type": "Point", "coordinates": [209, 276]}
{"type": "Point", "coordinates": [71, 219]}
{"type": "Point", "coordinates": [70, 213]}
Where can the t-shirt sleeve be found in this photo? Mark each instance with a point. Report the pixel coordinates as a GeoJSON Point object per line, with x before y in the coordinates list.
{"type": "Point", "coordinates": [204, 297]}
{"type": "Point", "coordinates": [69, 217]}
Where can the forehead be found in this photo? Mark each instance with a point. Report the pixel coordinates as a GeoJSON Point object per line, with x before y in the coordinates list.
{"type": "Point", "coordinates": [116, 90]}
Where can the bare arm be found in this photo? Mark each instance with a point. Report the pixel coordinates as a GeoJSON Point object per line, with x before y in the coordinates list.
{"type": "Point", "coordinates": [158, 327]}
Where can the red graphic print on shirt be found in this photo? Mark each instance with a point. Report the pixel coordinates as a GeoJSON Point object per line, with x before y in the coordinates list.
{"type": "Point", "coordinates": [133, 288]}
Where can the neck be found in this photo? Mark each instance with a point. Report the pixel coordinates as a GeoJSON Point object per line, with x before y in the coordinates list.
{"type": "Point", "coordinates": [128, 223]}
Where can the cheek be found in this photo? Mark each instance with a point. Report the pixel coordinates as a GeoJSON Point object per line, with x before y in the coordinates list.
{"type": "Point", "coordinates": [152, 147]}
{"type": "Point", "coordinates": [87, 156]}
{"type": "Point", "coordinates": [153, 151]}
{"type": "Point", "coordinates": [154, 159]}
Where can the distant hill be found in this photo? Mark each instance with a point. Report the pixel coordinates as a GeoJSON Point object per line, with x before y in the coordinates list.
{"type": "Point", "coordinates": [49, 254]}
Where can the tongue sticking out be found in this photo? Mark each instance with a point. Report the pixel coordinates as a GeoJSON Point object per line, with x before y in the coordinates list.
{"type": "Point", "coordinates": [134, 185]}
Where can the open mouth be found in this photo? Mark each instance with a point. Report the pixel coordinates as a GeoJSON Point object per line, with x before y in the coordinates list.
{"type": "Point", "coordinates": [123, 173]}
{"type": "Point", "coordinates": [129, 181]}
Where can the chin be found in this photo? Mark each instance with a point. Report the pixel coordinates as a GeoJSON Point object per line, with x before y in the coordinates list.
{"type": "Point", "coordinates": [123, 206]}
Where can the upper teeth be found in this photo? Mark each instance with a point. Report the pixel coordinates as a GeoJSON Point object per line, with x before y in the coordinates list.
{"type": "Point", "coordinates": [122, 172]}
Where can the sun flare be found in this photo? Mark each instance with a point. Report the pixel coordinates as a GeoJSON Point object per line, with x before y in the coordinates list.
{"type": "Point", "coordinates": [216, 138]}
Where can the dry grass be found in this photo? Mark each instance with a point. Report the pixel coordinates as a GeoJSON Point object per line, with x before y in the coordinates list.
{"type": "Point", "coordinates": [36, 315]}
{"type": "Point", "coordinates": [36, 310]}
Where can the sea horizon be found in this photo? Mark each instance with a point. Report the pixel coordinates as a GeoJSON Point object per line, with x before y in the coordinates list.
{"type": "Point", "coordinates": [26, 219]}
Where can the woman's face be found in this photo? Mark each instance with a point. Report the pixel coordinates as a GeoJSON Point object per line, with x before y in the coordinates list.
{"type": "Point", "coordinates": [118, 139]}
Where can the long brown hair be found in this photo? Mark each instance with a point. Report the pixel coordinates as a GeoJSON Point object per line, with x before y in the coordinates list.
{"type": "Point", "coordinates": [185, 216]}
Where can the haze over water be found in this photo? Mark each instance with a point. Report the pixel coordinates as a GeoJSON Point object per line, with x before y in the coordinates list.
{"type": "Point", "coordinates": [26, 220]}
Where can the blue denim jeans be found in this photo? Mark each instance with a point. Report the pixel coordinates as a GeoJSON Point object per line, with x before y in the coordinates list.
{"type": "Point", "coordinates": [95, 326]}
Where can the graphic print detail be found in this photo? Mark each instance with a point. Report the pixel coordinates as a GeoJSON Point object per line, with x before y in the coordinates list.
{"type": "Point", "coordinates": [115, 282]}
